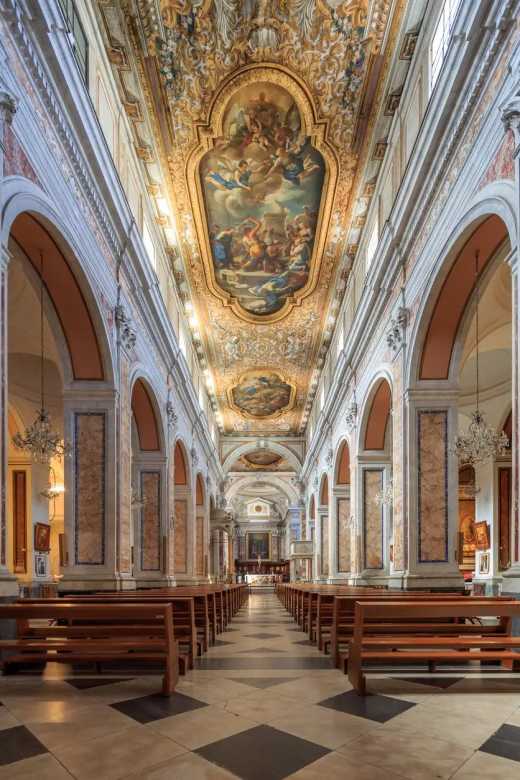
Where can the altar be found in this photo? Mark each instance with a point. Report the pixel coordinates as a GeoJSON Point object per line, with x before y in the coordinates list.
{"type": "Point", "coordinates": [256, 580]}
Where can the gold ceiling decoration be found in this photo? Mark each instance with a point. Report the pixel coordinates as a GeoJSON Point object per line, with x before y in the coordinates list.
{"type": "Point", "coordinates": [253, 117]}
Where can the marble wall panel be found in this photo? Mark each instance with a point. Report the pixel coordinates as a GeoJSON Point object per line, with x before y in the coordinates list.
{"type": "Point", "coordinates": [151, 521]}
{"type": "Point", "coordinates": [432, 449]}
{"type": "Point", "coordinates": [373, 519]}
{"type": "Point", "coordinates": [398, 534]}
{"type": "Point", "coordinates": [344, 534]}
{"type": "Point", "coordinates": [89, 487]}
{"type": "Point", "coordinates": [181, 536]}
{"type": "Point", "coordinates": [325, 545]}
{"type": "Point", "coordinates": [125, 470]}
{"type": "Point", "coordinates": [199, 557]}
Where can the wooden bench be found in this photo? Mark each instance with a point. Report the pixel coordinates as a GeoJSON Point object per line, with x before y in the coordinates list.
{"type": "Point", "coordinates": [452, 646]}
{"type": "Point", "coordinates": [71, 632]}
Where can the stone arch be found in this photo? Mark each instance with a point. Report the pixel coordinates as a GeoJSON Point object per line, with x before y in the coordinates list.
{"type": "Point", "coordinates": [342, 464]}
{"type": "Point", "coordinates": [184, 512]}
{"type": "Point", "coordinates": [268, 444]}
{"type": "Point", "coordinates": [146, 415]}
{"type": "Point", "coordinates": [376, 416]}
{"type": "Point", "coordinates": [76, 302]}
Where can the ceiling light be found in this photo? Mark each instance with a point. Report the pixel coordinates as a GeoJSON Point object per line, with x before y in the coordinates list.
{"type": "Point", "coordinates": [39, 440]}
{"type": "Point", "coordinates": [480, 443]}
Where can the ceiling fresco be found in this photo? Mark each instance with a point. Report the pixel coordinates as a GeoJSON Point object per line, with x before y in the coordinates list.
{"type": "Point", "coordinates": [255, 122]}
{"type": "Point", "coordinates": [262, 184]}
{"type": "Point", "coordinates": [261, 395]}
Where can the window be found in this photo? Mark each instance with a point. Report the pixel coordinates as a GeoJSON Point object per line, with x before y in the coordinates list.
{"type": "Point", "coordinates": [441, 38]}
{"type": "Point", "coordinates": [78, 38]}
{"type": "Point", "coordinates": [149, 245]}
{"type": "Point", "coordinates": [372, 245]}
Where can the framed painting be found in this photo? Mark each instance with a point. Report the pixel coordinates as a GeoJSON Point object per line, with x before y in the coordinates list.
{"type": "Point", "coordinates": [258, 545]}
{"type": "Point", "coordinates": [482, 536]}
{"type": "Point", "coordinates": [42, 537]}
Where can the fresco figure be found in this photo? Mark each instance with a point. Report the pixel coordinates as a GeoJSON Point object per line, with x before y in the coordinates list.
{"type": "Point", "coordinates": [261, 394]}
{"type": "Point", "coordinates": [262, 185]}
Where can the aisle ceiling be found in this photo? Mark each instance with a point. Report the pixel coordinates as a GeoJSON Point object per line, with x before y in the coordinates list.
{"type": "Point", "coordinates": [259, 125]}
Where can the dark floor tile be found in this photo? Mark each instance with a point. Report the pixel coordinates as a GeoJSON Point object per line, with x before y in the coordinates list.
{"type": "Point", "coordinates": [18, 743]}
{"type": "Point", "coordinates": [263, 662]}
{"type": "Point", "coordinates": [378, 708]}
{"type": "Point", "coordinates": [221, 643]}
{"type": "Point", "coordinates": [264, 650]}
{"type": "Point", "coordinates": [261, 753]}
{"type": "Point", "coordinates": [263, 682]}
{"type": "Point", "coordinates": [83, 683]}
{"type": "Point", "coordinates": [155, 707]}
{"type": "Point", "coordinates": [435, 682]}
{"type": "Point", "coordinates": [262, 636]}
{"type": "Point", "coordinates": [505, 743]}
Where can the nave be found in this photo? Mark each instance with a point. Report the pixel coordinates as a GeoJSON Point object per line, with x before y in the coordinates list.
{"type": "Point", "coordinates": [263, 704]}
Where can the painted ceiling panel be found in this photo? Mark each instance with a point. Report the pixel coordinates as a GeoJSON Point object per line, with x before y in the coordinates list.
{"type": "Point", "coordinates": [255, 119]}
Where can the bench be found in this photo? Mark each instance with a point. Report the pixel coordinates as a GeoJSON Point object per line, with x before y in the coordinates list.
{"type": "Point", "coordinates": [71, 632]}
{"type": "Point", "coordinates": [451, 646]}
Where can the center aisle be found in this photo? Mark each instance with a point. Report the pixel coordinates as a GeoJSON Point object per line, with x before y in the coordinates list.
{"type": "Point", "coordinates": [262, 704]}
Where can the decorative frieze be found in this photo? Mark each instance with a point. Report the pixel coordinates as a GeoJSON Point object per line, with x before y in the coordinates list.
{"type": "Point", "coordinates": [171, 415]}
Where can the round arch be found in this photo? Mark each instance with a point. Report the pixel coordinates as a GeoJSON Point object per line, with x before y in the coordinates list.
{"type": "Point", "coordinates": [181, 465]}
{"type": "Point", "coordinates": [375, 417]}
{"type": "Point", "coordinates": [146, 415]}
{"type": "Point", "coordinates": [324, 490]}
{"type": "Point", "coordinates": [342, 464]}
{"type": "Point", "coordinates": [67, 274]}
{"type": "Point", "coordinates": [488, 224]}
{"type": "Point", "coordinates": [286, 488]}
{"type": "Point", "coordinates": [245, 449]}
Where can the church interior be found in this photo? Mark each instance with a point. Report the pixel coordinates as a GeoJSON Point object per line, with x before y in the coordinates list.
{"type": "Point", "coordinates": [259, 361]}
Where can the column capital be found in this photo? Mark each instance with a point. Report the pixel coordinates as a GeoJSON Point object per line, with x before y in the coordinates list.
{"type": "Point", "coordinates": [8, 106]}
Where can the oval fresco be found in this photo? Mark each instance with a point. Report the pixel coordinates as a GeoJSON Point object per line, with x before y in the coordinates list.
{"type": "Point", "coordinates": [262, 184]}
{"type": "Point", "coordinates": [260, 394]}
{"type": "Point", "coordinates": [263, 458]}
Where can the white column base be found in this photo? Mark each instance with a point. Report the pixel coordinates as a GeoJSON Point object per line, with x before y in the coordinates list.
{"type": "Point", "coordinates": [8, 584]}
{"type": "Point", "coordinates": [511, 579]}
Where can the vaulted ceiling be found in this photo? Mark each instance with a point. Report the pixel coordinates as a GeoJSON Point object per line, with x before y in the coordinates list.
{"type": "Point", "coordinates": [258, 126]}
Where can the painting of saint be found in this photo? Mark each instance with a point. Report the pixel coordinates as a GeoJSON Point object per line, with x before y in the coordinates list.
{"type": "Point", "coordinates": [262, 185]}
{"type": "Point", "coordinates": [258, 545]}
{"type": "Point", "coordinates": [261, 394]}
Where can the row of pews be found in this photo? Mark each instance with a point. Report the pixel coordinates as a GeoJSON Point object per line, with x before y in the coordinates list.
{"type": "Point", "coordinates": [361, 626]}
{"type": "Point", "coordinates": [168, 627]}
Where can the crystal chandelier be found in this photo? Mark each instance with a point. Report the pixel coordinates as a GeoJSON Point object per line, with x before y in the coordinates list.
{"type": "Point", "coordinates": [480, 443]}
{"type": "Point", "coordinates": [385, 496]}
{"type": "Point", "coordinates": [39, 440]}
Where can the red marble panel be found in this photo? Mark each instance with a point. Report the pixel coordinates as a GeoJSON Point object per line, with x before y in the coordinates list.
{"type": "Point", "coordinates": [432, 431]}
{"type": "Point", "coordinates": [89, 459]}
{"type": "Point", "coordinates": [344, 542]}
{"type": "Point", "coordinates": [373, 516]}
{"type": "Point", "coordinates": [151, 521]}
{"type": "Point", "coordinates": [325, 545]}
{"type": "Point", "coordinates": [181, 536]}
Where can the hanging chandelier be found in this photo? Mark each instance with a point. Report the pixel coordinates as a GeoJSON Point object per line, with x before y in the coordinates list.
{"type": "Point", "coordinates": [39, 440]}
{"type": "Point", "coordinates": [481, 442]}
{"type": "Point", "coordinates": [385, 497]}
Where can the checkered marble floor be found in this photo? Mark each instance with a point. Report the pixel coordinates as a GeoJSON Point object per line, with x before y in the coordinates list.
{"type": "Point", "coordinates": [263, 704]}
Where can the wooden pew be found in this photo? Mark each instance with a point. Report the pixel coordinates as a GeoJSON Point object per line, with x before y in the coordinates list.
{"type": "Point", "coordinates": [389, 647]}
{"type": "Point", "coordinates": [94, 633]}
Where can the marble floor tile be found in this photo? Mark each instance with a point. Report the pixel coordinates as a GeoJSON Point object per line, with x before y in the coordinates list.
{"type": "Point", "coordinates": [325, 727]}
{"type": "Point", "coordinates": [263, 707]}
{"type": "Point", "coordinates": [156, 706]}
{"type": "Point", "coordinates": [110, 757]}
{"type": "Point", "coordinates": [201, 727]}
{"type": "Point", "coordinates": [484, 766]}
{"type": "Point", "coordinates": [336, 766]}
{"type": "Point", "coordinates": [43, 767]}
{"type": "Point", "coordinates": [80, 725]}
{"type": "Point", "coordinates": [18, 743]}
{"type": "Point", "coordinates": [188, 766]}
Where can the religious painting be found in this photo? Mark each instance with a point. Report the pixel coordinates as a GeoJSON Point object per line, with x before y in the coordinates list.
{"type": "Point", "coordinates": [262, 185]}
{"type": "Point", "coordinates": [482, 536]}
{"type": "Point", "coordinates": [258, 545]}
{"type": "Point", "coordinates": [262, 458]}
{"type": "Point", "coordinates": [261, 394]}
{"type": "Point", "coordinates": [42, 537]}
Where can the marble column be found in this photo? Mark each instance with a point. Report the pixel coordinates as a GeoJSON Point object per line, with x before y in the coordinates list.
{"type": "Point", "coordinates": [8, 583]}
{"type": "Point", "coordinates": [511, 120]}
